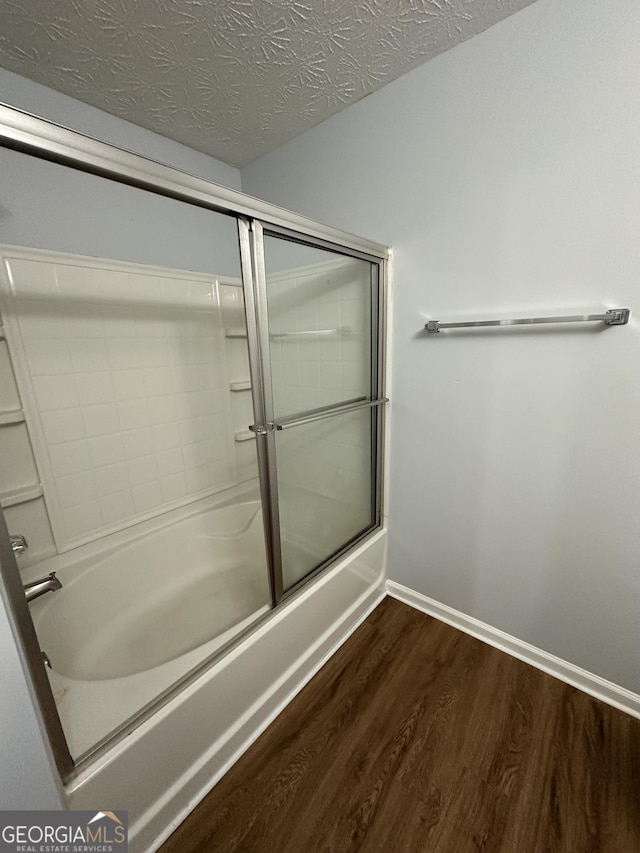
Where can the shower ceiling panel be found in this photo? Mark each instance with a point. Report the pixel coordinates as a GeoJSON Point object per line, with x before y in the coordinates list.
{"type": "Point", "coordinates": [232, 78]}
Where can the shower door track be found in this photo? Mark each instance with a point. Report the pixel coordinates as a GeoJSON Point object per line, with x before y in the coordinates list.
{"type": "Point", "coordinates": [28, 134]}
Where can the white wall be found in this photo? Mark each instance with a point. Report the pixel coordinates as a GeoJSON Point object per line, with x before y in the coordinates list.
{"type": "Point", "coordinates": [506, 174]}
{"type": "Point", "coordinates": [17, 91]}
{"type": "Point", "coordinates": [47, 206]}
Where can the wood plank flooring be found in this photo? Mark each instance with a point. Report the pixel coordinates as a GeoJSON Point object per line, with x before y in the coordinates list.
{"type": "Point", "coordinates": [418, 738]}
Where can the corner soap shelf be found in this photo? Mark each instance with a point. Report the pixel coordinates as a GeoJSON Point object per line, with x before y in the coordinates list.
{"type": "Point", "coordinates": [21, 496]}
{"type": "Point", "coordinates": [11, 416]}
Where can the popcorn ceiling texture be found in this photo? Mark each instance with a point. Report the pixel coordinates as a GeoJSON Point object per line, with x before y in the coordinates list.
{"type": "Point", "coordinates": [232, 78]}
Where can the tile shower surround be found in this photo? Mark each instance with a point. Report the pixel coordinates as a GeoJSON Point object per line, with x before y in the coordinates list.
{"type": "Point", "coordinates": [129, 406]}
{"type": "Point", "coordinates": [309, 372]}
{"type": "Point", "coordinates": [131, 390]}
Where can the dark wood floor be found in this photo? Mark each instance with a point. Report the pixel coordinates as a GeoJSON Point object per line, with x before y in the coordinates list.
{"type": "Point", "coordinates": [415, 737]}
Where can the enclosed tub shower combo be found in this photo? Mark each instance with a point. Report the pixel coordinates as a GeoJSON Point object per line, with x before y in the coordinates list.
{"type": "Point", "coordinates": [191, 435]}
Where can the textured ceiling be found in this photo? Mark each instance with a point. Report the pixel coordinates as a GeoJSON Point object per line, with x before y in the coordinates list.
{"type": "Point", "coordinates": [232, 78]}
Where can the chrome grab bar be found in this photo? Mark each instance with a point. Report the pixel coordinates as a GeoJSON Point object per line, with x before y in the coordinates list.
{"type": "Point", "coordinates": [286, 423]}
{"type": "Point", "coordinates": [343, 330]}
{"type": "Point", "coordinates": [614, 317]}
{"type": "Point", "coordinates": [316, 415]}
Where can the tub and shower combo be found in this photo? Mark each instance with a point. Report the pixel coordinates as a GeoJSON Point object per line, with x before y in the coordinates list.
{"type": "Point", "coordinates": [191, 423]}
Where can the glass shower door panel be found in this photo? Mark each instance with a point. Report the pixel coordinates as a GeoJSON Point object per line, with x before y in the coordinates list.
{"type": "Point", "coordinates": [319, 306]}
{"type": "Point", "coordinates": [132, 474]}
{"type": "Point", "coordinates": [325, 488]}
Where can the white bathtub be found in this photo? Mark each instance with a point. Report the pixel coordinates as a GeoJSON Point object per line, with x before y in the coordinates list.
{"type": "Point", "coordinates": [135, 616]}
{"type": "Point", "coordinates": [104, 670]}
{"type": "Point", "coordinates": [164, 767]}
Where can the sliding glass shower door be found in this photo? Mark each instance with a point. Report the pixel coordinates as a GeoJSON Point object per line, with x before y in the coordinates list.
{"type": "Point", "coordinates": [136, 346]}
{"type": "Point", "coordinates": [318, 330]}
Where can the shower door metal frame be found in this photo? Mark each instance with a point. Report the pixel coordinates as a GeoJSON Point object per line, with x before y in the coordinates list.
{"type": "Point", "coordinates": [45, 140]}
{"type": "Point", "coordinates": [266, 427]}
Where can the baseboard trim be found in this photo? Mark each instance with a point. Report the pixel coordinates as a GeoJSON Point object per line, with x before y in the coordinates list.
{"type": "Point", "coordinates": [586, 681]}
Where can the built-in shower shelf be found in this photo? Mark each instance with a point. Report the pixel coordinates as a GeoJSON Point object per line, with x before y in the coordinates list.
{"type": "Point", "coordinates": [2, 333]}
{"type": "Point", "coordinates": [21, 496]}
{"type": "Point", "coordinates": [244, 435]}
{"type": "Point", "coordinates": [240, 386]}
{"type": "Point", "coordinates": [235, 333]}
{"type": "Point", "coordinates": [14, 416]}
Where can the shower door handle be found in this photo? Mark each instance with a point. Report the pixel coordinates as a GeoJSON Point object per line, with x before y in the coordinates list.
{"type": "Point", "coordinates": [315, 415]}
{"type": "Point", "coordinates": [312, 417]}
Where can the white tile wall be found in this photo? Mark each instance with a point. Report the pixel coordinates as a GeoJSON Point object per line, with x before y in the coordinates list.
{"type": "Point", "coordinates": [17, 469]}
{"type": "Point", "coordinates": [129, 389]}
{"type": "Point", "coordinates": [309, 372]}
{"type": "Point", "coordinates": [9, 397]}
{"type": "Point", "coordinates": [232, 301]}
{"type": "Point", "coordinates": [18, 472]}
{"type": "Point", "coordinates": [130, 405]}
{"type": "Point", "coordinates": [32, 520]}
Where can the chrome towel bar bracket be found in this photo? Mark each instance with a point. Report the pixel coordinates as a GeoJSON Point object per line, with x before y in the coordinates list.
{"type": "Point", "coordinates": [614, 317]}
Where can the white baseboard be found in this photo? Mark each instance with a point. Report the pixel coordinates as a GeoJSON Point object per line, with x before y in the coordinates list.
{"type": "Point", "coordinates": [586, 681]}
